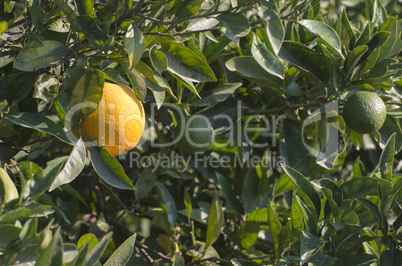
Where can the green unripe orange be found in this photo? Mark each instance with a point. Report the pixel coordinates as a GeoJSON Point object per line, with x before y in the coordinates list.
{"type": "Point", "coordinates": [364, 112]}
{"type": "Point", "coordinates": [195, 134]}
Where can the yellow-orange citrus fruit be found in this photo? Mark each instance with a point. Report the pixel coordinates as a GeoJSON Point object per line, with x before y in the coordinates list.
{"type": "Point", "coordinates": [118, 122]}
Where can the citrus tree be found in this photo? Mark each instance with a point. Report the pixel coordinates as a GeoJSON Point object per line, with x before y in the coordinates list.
{"type": "Point", "coordinates": [194, 132]}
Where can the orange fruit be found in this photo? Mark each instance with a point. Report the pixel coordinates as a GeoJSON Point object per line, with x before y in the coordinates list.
{"type": "Point", "coordinates": [118, 122]}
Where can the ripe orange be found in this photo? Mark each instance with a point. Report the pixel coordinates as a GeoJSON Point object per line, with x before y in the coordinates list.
{"type": "Point", "coordinates": [118, 122]}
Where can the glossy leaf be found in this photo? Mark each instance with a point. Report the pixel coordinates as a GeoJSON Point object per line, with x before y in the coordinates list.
{"type": "Point", "coordinates": [85, 95]}
{"type": "Point", "coordinates": [324, 32]}
{"type": "Point", "coordinates": [92, 31]}
{"type": "Point", "coordinates": [145, 183]}
{"type": "Point", "coordinates": [305, 186]}
{"type": "Point", "coordinates": [390, 127]}
{"type": "Point", "coordinates": [109, 169]}
{"type": "Point", "coordinates": [34, 58]}
{"type": "Point", "coordinates": [185, 63]}
{"type": "Point", "coordinates": [379, 13]}
{"type": "Point", "coordinates": [41, 123]}
{"type": "Point", "coordinates": [266, 59]}
{"type": "Point", "coordinates": [358, 187]}
{"type": "Point", "coordinates": [275, 30]}
{"type": "Point", "coordinates": [137, 82]}
{"type": "Point", "coordinates": [216, 95]}
{"type": "Point", "coordinates": [134, 44]}
{"type": "Point", "coordinates": [123, 253]}
{"type": "Point", "coordinates": [250, 196]}
{"type": "Point", "coordinates": [97, 251]}
{"type": "Point", "coordinates": [301, 56]}
{"type": "Point", "coordinates": [234, 26]}
{"type": "Point", "coordinates": [158, 59]}
{"type": "Point", "coordinates": [168, 203]}
{"type": "Point", "coordinates": [73, 166]}
{"type": "Point", "coordinates": [310, 245]}
{"type": "Point", "coordinates": [249, 68]}
{"type": "Point", "coordinates": [215, 221]}
{"type": "Point", "coordinates": [387, 158]}
{"type": "Point", "coordinates": [390, 25]}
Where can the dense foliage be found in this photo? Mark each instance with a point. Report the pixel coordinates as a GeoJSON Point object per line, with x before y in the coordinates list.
{"type": "Point", "coordinates": [285, 181]}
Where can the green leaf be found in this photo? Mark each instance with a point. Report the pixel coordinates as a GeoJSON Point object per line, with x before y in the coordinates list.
{"type": "Point", "coordinates": [8, 233]}
{"type": "Point", "coordinates": [96, 252]}
{"type": "Point", "coordinates": [387, 158]}
{"type": "Point", "coordinates": [379, 13]}
{"type": "Point", "coordinates": [275, 30]}
{"type": "Point", "coordinates": [301, 56]}
{"type": "Point", "coordinates": [15, 87]}
{"type": "Point", "coordinates": [185, 63]}
{"type": "Point", "coordinates": [109, 169]}
{"type": "Point", "coordinates": [53, 253]}
{"type": "Point", "coordinates": [274, 228]}
{"type": "Point", "coordinates": [168, 203]}
{"type": "Point", "coordinates": [85, 95]}
{"type": "Point", "coordinates": [247, 234]}
{"type": "Point", "coordinates": [42, 179]}
{"type": "Point", "coordinates": [327, 34]}
{"type": "Point", "coordinates": [391, 258]}
{"type": "Point", "coordinates": [34, 58]}
{"type": "Point", "coordinates": [216, 95]}
{"type": "Point", "coordinates": [188, 204]}
{"type": "Point", "coordinates": [158, 59]}
{"type": "Point", "coordinates": [310, 245]}
{"type": "Point", "coordinates": [266, 59]}
{"type": "Point", "coordinates": [358, 187]}
{"type": "Point", "coordinates": [89, 239]}
{"type": "Point", "coordinates": [134, 44]}
{"type": "Point", "coordinates": [377, 41]}
{"type": "Point", "coordinates": [25, 212]}
{"type": "Point", "coordinates": [292, 149]}
{"type": "Point", "coordinates": [228, 193]}
{"type": "Point", "coordinates": [145, 183]}
{"type": "Point", "coordinates": [305, 187]}
{"type": "Point", "coordinates": [3, 27]}
{"type": "Point", "coordinates": [137, 81]}
{"type": "Point", "coordinates": [390, 127]}
{"type": "Point", "coordinates": [66, 9]}
{"type": "Point", "coordinates": [92, 31]}
{"type": "Point", "coordinates": [154, 77]}
{"type": "Point", "coordinates": [46, 88]}
{"type": "Point", "coordinates": [234, 26]}
{"type": "Point", "coordinates": [41, 123]}
{"type": "Point", "coordinates": [346, 23]}
{"type": "Point", "coordinates": [73, 166]}
{"type": "Point", "coordinates": [333, 192]}
{"type": "Point", "coordinates": [248, 67]}
{"type": "Point", "coordinates": [357, 259]}
{"type": "Point", "coordinates": [123, 254]}
{"type": "Point", "coordinates": [390, 25]}
{"type": "Point", "coordinates": [215, 221]}
{"type": "Point", "coordinates": [249, 194]}
{"type": "Point", "coordinates": [354, 57]}
{"type": "Point", "coordinates": [85, 7]}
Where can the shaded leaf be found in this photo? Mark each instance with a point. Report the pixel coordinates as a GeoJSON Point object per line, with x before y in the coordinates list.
{"type": "Point", "coordinates": [41, 123]}
{"type": "Point", "coordinates": [216, 95]}
{"type": "Point", "coordinates": [234, 26]}
{"type": "Point", "coordinates": [215, 221]}
{"type": "Point", "coordinates": [168, 203]}
{"type": "Point", "coordinates": [109, 169]}
{"type": "Point", "coordinates": [301, 56]}
{"type": "Point", "coordinates": [34, 58]}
